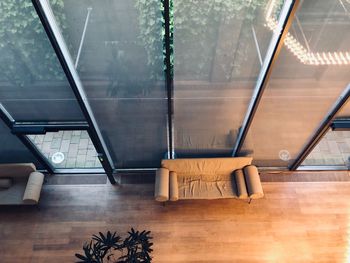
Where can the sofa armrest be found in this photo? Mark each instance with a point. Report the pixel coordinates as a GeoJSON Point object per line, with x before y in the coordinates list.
{"type": "Point", "coordinates": [173, 187]}
{"type": "Point", "coordinates": [240, 184]}
{"type": "Point", "coordinates": [33, 188]}
{"type": "Point", "coordinates": [253, 182]}
{"type": "Point", "coordinates": [161, 191]}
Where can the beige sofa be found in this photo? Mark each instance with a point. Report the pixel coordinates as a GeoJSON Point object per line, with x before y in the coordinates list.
{"type": "Point", "coordinates": [207, 178]}
{"type": "Point", "coordinates": [20, 184]}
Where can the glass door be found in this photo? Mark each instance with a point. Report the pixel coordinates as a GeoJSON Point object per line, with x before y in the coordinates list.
{"type": "Point", "coordinates": [61, 146]}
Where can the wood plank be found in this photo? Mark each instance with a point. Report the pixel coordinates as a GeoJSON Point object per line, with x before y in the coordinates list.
{"type": "Point", "coordinates": [295, 222]}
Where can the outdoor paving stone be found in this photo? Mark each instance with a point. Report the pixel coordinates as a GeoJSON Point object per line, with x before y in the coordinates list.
{"type": "Point", "coordinates": [346, 158]}
{"type": "Point", "coordinates": [80, 162]}
{"type": "Point", "coordinates": [90, 164]}
{"type": "Point", "coordinates": [323, 145]}
{"type": "Point", "coordinates": [48, 137]}
{"type": "Point", "coordinates": [84, 135]}
{"type": "Point", "coordinates": [333, 146]}
{"type": "Point", "coordinates": [65, 146]}
{"type": "Point", "coordinates": [75, 145]}
{"type": "Point", "coordinates": [316, 150]}
{"type": "Point", "coordinates": [39, 139]}
{"type": "Point", "coordinates": [82, 152]}
{"type": "Point", "coordinates": [91, 153]}
{"type": "Point", "coordinates": [347, 141]}
{"type": "Point", "coordinates": [83, 143]}
{"type": "Point", "coordinates": [61, 165]}
{"type": "Point", "coordinates": [344, 147]}
{"type": "Point", "coordinates": [70, 163]}
{"type": "Point", "coordinates": [75, 139]}
{"type": "Point", "coordinates": [56, 143]}
{"type": "Point", "coordinates": [46, 146]}
{"type": "Point", "coordinates": [73, 150]}
{"type": "Point", "coordinates": [76, 133]}
{"type": "Point", "coordinates": [58, 134]}
{"type": "Point", "coordinates": [318, 156]}
{"type": "Point", "coordinates": [67, 135]}
{"type": "Point", "coordinates": [91, 147]}
{"type": "Point", "coordinates": [334, 160]}
{"type": "Point", "coordinates": [91, 158]}
{"type": "Point", "coordinates": [98, 163]}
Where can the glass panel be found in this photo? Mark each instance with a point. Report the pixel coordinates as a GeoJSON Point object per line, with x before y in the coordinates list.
{"type": "Point", "coordinates": [67, 149]}
{"type": "Point", "coordinates": [333, 150]}
{"type": "Point", "coordinates": [121, 67]}
{"type": "Point", "coordinates": [33, 85]}
{"type": "Point", "coordinates": [344, 112]}
{"type": "Point", "coordinates": [134, 130]}
{"type": "Point", "coordinates": [310, 73]}
{"type": "Point", "coordinates": [218, 50]}
{"type": "Point", "coordinates": [12, 150]}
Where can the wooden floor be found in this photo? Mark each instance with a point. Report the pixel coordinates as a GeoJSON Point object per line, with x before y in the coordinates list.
{"type": "Point", "coordinates": [296, 222]}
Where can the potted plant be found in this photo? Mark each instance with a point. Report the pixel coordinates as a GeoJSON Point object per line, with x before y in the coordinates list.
{"type": "Point", "coordinates": [111, 248]}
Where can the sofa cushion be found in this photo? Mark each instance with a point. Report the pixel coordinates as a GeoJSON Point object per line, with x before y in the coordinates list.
{"type": "Point", "coordinates": [16, 169]}
{"type": "Point", "coordinates": [206, 169]}
{"type": "Point", "coordinates": [200, 189]}
{"type": "Point", "coordinates": [173, 187]}
{"type": "Point", "coordinates": [5, 183]}
{"type": "Point", "coordinates": [240, 183]}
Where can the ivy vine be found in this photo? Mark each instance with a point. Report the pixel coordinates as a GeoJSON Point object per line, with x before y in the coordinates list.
{"type": "Point", "coordinates": [26, 55]}
{"type": "Point", "coordinates": [197, 23]}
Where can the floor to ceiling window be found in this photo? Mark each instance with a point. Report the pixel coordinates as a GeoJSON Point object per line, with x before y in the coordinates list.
{"type": "Point", "coordinates": [117, 94]}
{"type": "Point", "coordinates": [219, 48]}
{"type": "Point", "coordinates": [117, 47]}
{"type": "Point", "coordinates": [311, 72]}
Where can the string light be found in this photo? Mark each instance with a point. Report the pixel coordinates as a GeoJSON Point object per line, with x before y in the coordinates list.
{"type": "Point", "coordinates": [301, 53]}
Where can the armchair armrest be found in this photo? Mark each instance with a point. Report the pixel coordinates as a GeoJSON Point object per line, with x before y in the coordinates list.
{"type": "Point", "coordinates": [161, 191]}
{"type": "Point", "coordinates": [173, 187]}
{"type": "Point", "coordinates": [33, 188]}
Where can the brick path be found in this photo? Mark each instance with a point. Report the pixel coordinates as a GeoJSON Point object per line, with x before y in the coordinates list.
{"type": "Point", "coordinates": [76, 146]}
{"type": "Point", "coordinates": [333, 149]}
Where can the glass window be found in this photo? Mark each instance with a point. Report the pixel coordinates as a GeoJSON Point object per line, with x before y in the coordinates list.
{"type": "Point", "coordinates": [120, 63]}
{"type": "Point", "coordinates": [219, 47]}
{"type": "Point", "coordinates": [309, 75]}
{"type": "Point", "coordinates": [333, 150]}
{"type": "Point", "coordinates": [33, 85]}
{"type": "Point", "coordinates": [13, 150]}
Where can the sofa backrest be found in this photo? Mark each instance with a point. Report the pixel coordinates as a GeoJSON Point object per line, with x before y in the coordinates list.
{"type": "Point", "coordinates": [211, 168]}
{"type": "Point", "coordinates": [16, 169]}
